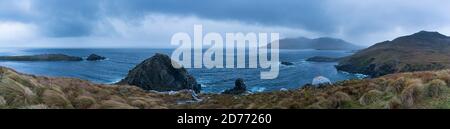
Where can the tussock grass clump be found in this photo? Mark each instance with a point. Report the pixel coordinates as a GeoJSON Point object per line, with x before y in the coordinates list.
{"type": "Point", "coordinates": [394, 103]}
{"type": "Point", "coordinates": [371, 97]}
{"type": "Point", "coordinates": [111, 104]}
{"type": "Point", "coordinates": [140, 104]}
{"type": "Point", "coordinates": [395, 86]}
{"type": "Point", "coordinates": [55, 99]}
{"type": "Point", "coordinates": [22, 80]}
{"type": "Point", "coordinates": [117, 98]}
{"type": "Point", "coordinates": [314, 106]}
{"type": "Point", "coordinates": [38, 106]}
{"type": "Point", "coordinates": [2, 101]}
{"type": "Point", "coordinates": [322, 103]}
{"type": "Point", "coordinates": [443, 75]}
{"type": "Point", "coordinates": [412, 93]}
{"type": "Point", "coordinates": [17, 95]}
{"type": "Point", "coordinates": [129, 90]}
{"type": "Point", "coordinates": [426, 76]}
{"type": "Point", "coordinates": [339, 99]}
{"type": "Point", "coordinates": [103, 94]}
{"type": "Point", "coordinates": [84, 102]}
{"type": "Point", "coordinates": [435, 88]}
{"type": "Point", "coordinates": [146, 103]}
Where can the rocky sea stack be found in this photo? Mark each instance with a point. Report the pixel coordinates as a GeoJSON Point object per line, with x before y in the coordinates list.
{"type": "Point", "coordinates": [421, 51]}
{"type": "Point", "coordinates": [239, 88]}
{"type": "Point", "coordinates": [157, 73]}
{"type": "Point", "coordinates": [95, 57]}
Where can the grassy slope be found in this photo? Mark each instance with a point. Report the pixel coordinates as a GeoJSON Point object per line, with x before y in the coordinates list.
{"type": "Point", "coordinates": [27, 91]}
{"type": "Point", "coordinates": [407, 90]}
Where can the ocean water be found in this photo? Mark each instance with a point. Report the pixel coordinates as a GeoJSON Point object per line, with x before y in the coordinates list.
{"type": "Point", "coordinates": [120, 61]}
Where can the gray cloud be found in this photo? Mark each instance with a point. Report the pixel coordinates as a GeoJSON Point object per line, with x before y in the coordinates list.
{"type": "Point", "coordinates": [294, 13]}
{"type": "Point", "coordinates": [353, 20]}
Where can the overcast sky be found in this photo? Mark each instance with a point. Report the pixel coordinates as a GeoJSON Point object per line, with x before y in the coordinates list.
{"type": "Point", "coordinates": [151, 23]}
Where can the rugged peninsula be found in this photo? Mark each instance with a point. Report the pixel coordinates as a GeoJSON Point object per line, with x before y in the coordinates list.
{"type": "Point", "coordinates": [324, 43]}
{"type": "Point", "coordinates": [421, 51]}
{"type": "Point", "coordinates": [42, 57]}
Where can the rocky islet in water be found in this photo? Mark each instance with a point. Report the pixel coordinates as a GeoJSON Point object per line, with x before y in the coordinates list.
{"type": "Point", "coordinates": [41, 57]}
{"type": "Point", "coordinates": [95, 57]}
{"type": "Point", "coordinates": [157, 73]}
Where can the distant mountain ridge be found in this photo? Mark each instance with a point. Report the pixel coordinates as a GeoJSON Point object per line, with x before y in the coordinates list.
{"type": "Point", "coordinates": [417, 52]}
{"type": "Point", "coordinates": [324, 43]}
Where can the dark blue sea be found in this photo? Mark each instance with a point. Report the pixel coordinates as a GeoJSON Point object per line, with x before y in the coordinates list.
{"type": "Point", "coordinates": [120, 61]}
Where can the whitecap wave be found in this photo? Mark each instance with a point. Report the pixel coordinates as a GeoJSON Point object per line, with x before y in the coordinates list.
{"type": "Point", "coordinates": [257, 89]}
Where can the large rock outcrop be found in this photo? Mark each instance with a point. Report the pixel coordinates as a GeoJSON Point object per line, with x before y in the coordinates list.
{"type": "Point", "coordinates": [157, 73]}
{"type": "Point", "coordinates": [418, 52]}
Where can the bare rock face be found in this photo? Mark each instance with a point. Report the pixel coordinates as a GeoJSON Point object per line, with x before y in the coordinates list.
{"type": "Point", "coordinates": [157, 73]}
{"type": "Point", "coordinates": [239, 88]}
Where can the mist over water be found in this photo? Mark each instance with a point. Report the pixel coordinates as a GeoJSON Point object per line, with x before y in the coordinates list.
{"type": "Point", "coordinates": [120, 61]}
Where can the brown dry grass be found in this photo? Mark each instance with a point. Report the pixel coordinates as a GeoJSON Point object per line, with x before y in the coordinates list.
{"type": "Point", "coordinates": [406, 90]}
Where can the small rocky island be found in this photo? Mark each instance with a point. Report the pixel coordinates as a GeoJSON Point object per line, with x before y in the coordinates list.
{"type": "Point", "coordinates": [157, 73]}
{"type": "Point", "coordinates": [287, 63]}
{"type": "Point", "coordinates": [42, 57]}
{"type": "Point", "coordinates": [95, 57]}
{"type": "Point", "coordinates": [322, 59]}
